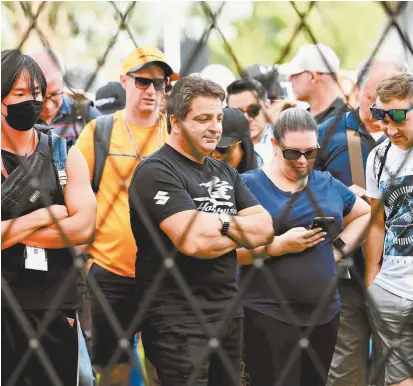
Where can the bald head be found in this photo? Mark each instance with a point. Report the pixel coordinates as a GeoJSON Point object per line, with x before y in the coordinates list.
{"type": "Point", "coordinates": [370, 73]}
{"type": "Point", "coordinates": [50, 63]}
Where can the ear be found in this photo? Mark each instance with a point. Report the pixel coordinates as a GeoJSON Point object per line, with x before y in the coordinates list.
{"type": "Point", "coordinates": [175, 123]}
{"type": "Point", "coordinates": [312, 76]}
{"type": "Point", "coordinates": [274, 145]}
{"type": "Point", "coordinates": [267, 104]}
{"type": "Point", "coordinates": [123, 79]}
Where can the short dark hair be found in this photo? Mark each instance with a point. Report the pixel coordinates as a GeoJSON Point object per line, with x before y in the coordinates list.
{"type": "Point", "coordinates": [13, 63]}
{"type": "Point", "coordinates": [188, 88]}
{"type": "Point", "coordinates": [241, 85]}
{"type": "Point", "coordinates": [292, 120]}
{"type": "Point", "coordinates": [397, 86]}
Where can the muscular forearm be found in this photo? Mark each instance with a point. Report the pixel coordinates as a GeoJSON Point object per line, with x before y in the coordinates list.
{"type": "Point", "coordinates": [374, 251]}
{"type": "Point", "coordinates": [247, 256]}
{"type": "Point", "coordinates": [71, 231]}
{"type": "Point", "coordinates": [352, 234]}
{"type": "Point", "coordinates": [252, 231]}
{"type": "Point", "coordinates": [15, 230]}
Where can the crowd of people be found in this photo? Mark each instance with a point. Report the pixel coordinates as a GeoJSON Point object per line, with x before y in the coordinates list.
{"type": "Point", "coordinates": [235, 238]}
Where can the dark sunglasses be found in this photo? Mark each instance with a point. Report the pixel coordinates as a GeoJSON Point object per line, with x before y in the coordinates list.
{"type": "Point", "coordinates": [396, 115]}
{"type": "Point", "coordinates": [144, 83]}
{"type": "Point", "coordinates": [252, 110]}
{"type": "Point", "coordinates": [225, 150]}
{"type": "Point", "coordinates": [294, 154]}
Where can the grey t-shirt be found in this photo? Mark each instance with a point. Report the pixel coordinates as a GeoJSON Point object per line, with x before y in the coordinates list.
{"type": "Point", "coordinates": [396, 274]}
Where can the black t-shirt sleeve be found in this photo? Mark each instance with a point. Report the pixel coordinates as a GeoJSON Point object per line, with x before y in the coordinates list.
{"type": "Point", "coordinates": [243, 196]}
{"type": "Point", "coordinates": [160, 192]}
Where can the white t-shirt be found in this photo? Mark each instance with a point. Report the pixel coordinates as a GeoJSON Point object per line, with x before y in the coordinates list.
{"type": "Point", "coordinates": [396, 188]}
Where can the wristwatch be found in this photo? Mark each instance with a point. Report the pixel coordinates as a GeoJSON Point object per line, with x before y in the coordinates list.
{"type": "Point", "coordinates": [226, 221]}
{"type": "Point", "coordinates": [338, 243]}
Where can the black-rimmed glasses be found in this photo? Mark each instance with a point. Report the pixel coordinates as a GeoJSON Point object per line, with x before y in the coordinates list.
{"type": "Point", "coordinates": [54, 97]}
{"type": "Point", "coordinates": [295, 154]}
{"type": "Point", "coordinates": [144, 83]}
{"type": "Point", "coordinates": [252, 110]}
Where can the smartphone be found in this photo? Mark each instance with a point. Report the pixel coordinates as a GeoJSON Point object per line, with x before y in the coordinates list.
{"type": "Point", "coordinates": [322, 222]}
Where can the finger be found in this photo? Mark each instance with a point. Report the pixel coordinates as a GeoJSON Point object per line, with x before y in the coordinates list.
{"type": "Point", "coordinates": [313, 232]}
{"type": "Point", "coordinates": [312, 244]}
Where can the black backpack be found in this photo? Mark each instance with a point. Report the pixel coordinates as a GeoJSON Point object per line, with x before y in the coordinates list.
{"type": "Point", "coordinates": [101, 142]}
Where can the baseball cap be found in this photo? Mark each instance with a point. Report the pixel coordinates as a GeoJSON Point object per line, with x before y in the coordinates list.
{"type": "Point", "coordinates": [142, 56]}
{"type": "Point", "coordinates": [110, 98]}
{"type": "Point", "coordinates": [267, 76]}
{"type": "Point", "coordinates": [234, 127]}
{"type": "Point", "coordinates": [313, 57]}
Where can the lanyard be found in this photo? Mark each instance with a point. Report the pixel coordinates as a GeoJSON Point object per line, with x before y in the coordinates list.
{"type": "Point", "coordinates": [135, 145]}
{"type": "Point", "coordinates": [3, 169]}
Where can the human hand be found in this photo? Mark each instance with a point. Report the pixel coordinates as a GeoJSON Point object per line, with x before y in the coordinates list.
{"type": "Point", "coordinates": [274, 111]}
{"type": "Point", "coordinates": [56, 213]}
{"type": "Point", "coordinates": [299, 239]}
{"type": "Point", "coordinates": [360, 192]}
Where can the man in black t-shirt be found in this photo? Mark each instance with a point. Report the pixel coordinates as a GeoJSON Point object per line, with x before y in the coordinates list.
{"type": "Point", "coordinates": [189, 213]}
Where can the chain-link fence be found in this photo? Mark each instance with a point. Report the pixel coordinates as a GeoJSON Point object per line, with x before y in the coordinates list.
{"type": "Point", "coordinates": [32, 11]}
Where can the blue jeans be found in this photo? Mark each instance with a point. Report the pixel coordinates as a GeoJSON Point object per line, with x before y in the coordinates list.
{"type": "Point", "coordinates": [86, 377]}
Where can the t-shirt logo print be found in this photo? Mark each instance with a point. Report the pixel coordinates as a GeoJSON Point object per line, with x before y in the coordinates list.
{"type": "Point", "coordinates": [161, 197]}
{"type": "Point", "coordinates": [218, 196]}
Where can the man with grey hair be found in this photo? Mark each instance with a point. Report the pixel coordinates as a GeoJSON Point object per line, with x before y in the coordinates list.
{"type": "Point", "coordinates": [189, 213]}
{"type": "Point", "coordinates": [350, 360]}
{"type": "Point", "coordinates": [312, 73]}
{"type": "Point", "coordinates": [68, 117]}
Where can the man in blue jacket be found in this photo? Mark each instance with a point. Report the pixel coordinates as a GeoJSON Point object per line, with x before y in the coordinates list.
{"type": "Point", "coordinates": [349, 365]}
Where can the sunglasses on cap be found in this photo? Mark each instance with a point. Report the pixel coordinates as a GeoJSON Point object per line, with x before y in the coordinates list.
{"type": "Point", "coordinates": [396, 115]}
{"type": "Point", "coordinates": [144, 83]}
{"type": "Point", "coordinates": [294, 154]}
{"type": "Point", "coordinates": [225, 150]}
{"type": "Point", "coordinates": [252, 110]}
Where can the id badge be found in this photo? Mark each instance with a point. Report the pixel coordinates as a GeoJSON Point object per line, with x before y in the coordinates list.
{"type": "Point", "coordinates": [35, 259]}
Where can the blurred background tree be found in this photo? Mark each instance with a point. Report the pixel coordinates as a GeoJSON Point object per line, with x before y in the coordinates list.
{"type": "Point", "coordinates": [80, 31]}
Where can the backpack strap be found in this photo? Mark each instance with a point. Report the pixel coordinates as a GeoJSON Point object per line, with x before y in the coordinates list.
{"type": "Point", "coordinates": [80, 114]}
{"type": "Point", "coordinates": [101, 142]}
{"type": "Point", "coordinates": [356, 156]}
{"type": "Point", "coordinates": [59, 146]}
{"type": "Point", "coordinates": [380, 159]}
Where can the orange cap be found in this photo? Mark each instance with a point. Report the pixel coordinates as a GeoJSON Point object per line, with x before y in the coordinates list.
{"type": "Point", "coordinates": [142, 56]}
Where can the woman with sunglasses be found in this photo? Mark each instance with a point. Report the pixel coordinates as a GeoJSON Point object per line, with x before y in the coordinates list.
{"type": "Point", "coordinates": [291, 303]}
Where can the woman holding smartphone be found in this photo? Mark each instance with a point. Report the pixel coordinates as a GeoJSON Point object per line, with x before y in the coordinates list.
{"type": "Point", "coordinates": [291, 304]}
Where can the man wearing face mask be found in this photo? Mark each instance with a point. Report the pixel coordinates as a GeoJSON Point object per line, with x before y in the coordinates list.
{"type": "Point", "coordinates": [41, 223]}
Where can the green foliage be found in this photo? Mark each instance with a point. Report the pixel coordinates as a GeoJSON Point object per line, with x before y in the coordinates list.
{"type": "Point", "coordinates": [349, 28]}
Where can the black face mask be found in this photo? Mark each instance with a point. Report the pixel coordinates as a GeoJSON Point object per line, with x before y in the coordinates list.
{"type": "Point", "coordinates": [22, 116]}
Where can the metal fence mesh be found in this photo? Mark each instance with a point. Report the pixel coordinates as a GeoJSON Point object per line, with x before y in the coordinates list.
{"type": "Point", "coordinates": [32, 11]}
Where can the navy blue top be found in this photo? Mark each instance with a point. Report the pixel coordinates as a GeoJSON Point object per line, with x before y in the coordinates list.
{"type": "Point", "coordinates": [334, 155]}
{"type": "Point", "coordinates": [66, 125]}
{"type": "Point", "coordinates": [302, 278]}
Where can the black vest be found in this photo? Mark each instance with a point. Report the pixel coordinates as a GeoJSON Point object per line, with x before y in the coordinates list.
{"type": "Point", "coordinates": [36, 289]}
